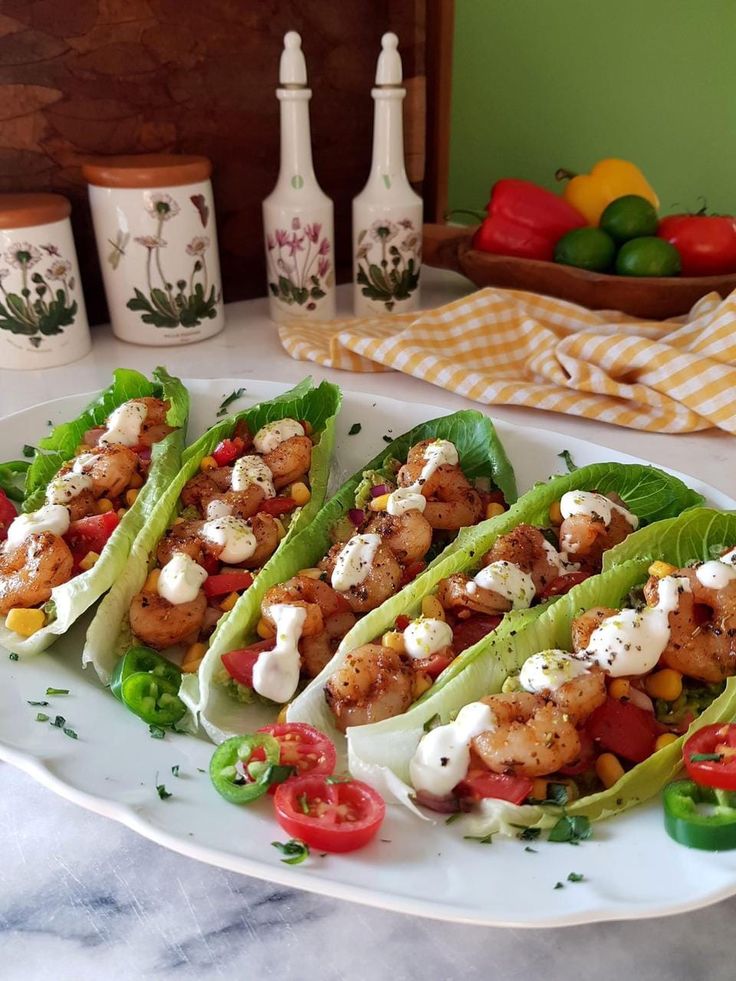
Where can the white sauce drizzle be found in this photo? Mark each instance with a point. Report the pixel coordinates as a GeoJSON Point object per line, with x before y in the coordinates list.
{"type": "Point", "coordinates": [715, 574]}
{"type": "Point", "coordinates": [405, 499]}
{"type": "Point", "coordinates": [354, 562]}
{"type": "Point", "coordinates": [252, 470]}
{"type": "Point", "coordinates": [234, 535]}
{"type": "Point", "coordinates": [550, 670]}
{"type": "Point", "coordinates": [442, 757]}
{"type": "Point", "coordinates": [217, 508]}
{"type": "Point", "coordinates": [729, 558]}
{"type": "Point", "coordinates": [436, 454]}
{"type": "Point", "coordinates": [276, 672]}
{"type": "Point", "coordinates": [63, 489]}
{"type": "Point", "coordinates": [181, 579]}
{"type": "Point", "coordinates": [273, 433]}
{"type": "Point", "coordinates": [509, 581]}
{"type": "Point", "coordinates": [593, 506]}
{"type": "Point", "coordinates": [51, 517]}
{"type": "Point", "coordinates": [426, 636]}
{"type": "Point", "coordinates": [560, 560]}
{"type": "Point", "coordinates": [124, 424]}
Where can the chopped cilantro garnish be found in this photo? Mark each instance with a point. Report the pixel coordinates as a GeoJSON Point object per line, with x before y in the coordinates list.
{"type": "Point", "coordinates": [565, 455]}
{"type": "Point", "coordinates": [161, 790]}
{"type": "Point", "coordinates": [481, 839]}
{"type": "Point", "coordinates": [275, 773]}
{"type": "Point", "coordinates": [59, 722]}
{"type": "Point", "coordinates": [529, 834]}
{"type": "Point", "coordinates": [571, 829]}
{"type": "Point", "coordinates": [12, 657]}
{"type": "Point", "coordinates": [706, 757]}
{"type": "Point", "coordinates": [175, 770]}
{"type": "Point", "coordinates": [68, 731]}
{"type": "Point", "coordinates": [229, 399]}
{"type": "Point", "coordinates": [155, 732]}
{"type": "Point", "coordinates": [454, 817]}
{"type": "Point", "coordinates": [575, 877]}
{"type": "Point", "coordinates": [41, 717]}
{"type": "Point", "coordinates": [42, 702]}
{"type": "Point", "coordinates": [28, 451]}
{"type": "Point", "coordinates": [354, 429]}
{"type": "Point", "coordinates": [57, 691]}
{"type": "Point", "coordinates": [295, 850]}
{"type": "Point", "coordinates": [528, 848]}
{"type": "Point", "coordinates": [559, 885]}
{"type": "Point", "coordinates": [387, 439]}
{"type": "Point", "coordinates": [556, 794]}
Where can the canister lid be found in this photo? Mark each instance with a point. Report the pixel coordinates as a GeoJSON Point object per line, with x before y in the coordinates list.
{"type": "Point", "coordinates": [147, 170]}
{"type": "Point", "coordinates": [25, 210]}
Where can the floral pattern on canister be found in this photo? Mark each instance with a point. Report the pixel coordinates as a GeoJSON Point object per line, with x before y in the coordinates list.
{"type": "Point", "coordinates": [40, 303]}
{"type": "Point", "coordinates": [187, 302]}
{"type": "Point", "coordinates": [388, 261]}
{"type": "Point", "coordinates": [299, 267]}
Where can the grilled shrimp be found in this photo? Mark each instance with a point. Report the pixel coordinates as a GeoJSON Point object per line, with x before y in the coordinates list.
{"type": "Point", "coordinates": [32, 569]}
{"type": "Point", "coordinates": [409, 535]}
{"type": "Point", "coordinates": [290, 460]}
{"type": "Point", "coordinates": [459, 592]}
{"type": "Point", "coordinates": [584, 625]}
{"type": "Point", "coordinates": [581, 696]}
{"type": "Point", "coordinates": [266, 533]}
{"type": "Point", "coordinates": [161, 624]}
{"type": "Point", "coordinates": [154, 427]}
{"type": "Point", "coordinates": [382, 581]}
{"type": "Point", "coordinates": [452, 503]}
{"type": "Point", "coordinates": [186, 537]}
{"type": "Point", "coordinates": [526, 547]}
{"type": "Point", "coordinates": [206, 486]}
{"type": "Point", "coordinates": [109, 467]}
{"type": "Point", "coordinates": [531, 737]}
{"type": "Point", "coordinates": [587, 537]}
{"type": "Point", "coordinates": [318, 599]}
{"type": "Point", "coordinates": [317, 651]}
{"type": "Point", "coordinates": [374, 683]}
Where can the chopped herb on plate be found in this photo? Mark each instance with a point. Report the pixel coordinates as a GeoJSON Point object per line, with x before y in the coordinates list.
{"type": "Point", "coordinates": [12, 657]}
{"type": "Point", "coordinates": [481, 839]}
{"type": "Point", "coordinates": [296, 851]}
{"type": "Point", "coordinates": [57, 691]}
{"type": "Point", "coordinates": [156, 732]}
{"type": "Point", "coordinates": [355, 429]}
{"type": "Point", "coordinates": [575, 877]}
{"type": "Point", "coordinates": [229, 399]}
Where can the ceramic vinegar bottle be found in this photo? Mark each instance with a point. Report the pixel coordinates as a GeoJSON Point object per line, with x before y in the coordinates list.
{"type": "Point", "coordinates": [387, 214]}
{"type": "Point", "coordinates": [298, 215]}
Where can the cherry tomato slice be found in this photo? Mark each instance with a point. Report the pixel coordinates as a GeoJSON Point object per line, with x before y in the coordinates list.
{"type": "Point", "coordinates": [276, 506]}
{"type": "Point", "coordinates": [227, 582]}
{"type": "Point", "coordinates": [305, 748]}
{"type": "Point", "coordinates": [719, 741]}
{"type": "Point", "coordinates": [331, 817]}
{"type": "Point", "coordinates": [465, 633]}
{"type": "Point", "coordinates": [239, 664]}
{"type": "Point", "coordinates": [563, 584]}
{"type": "Point", "coordinates": [624, 729]}
{"type": "Point", "coordinates": [433, 665]}
{"type": "Point", "coordinates": [7, 515]}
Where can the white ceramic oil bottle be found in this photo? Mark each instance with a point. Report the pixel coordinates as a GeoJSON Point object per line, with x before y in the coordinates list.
{"type": "Point", "coordinates": [387, 214]}
{"type": "Point", "coordinates": [297, 215]}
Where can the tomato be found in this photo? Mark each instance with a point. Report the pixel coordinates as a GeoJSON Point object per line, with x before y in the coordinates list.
{"type": "Point", "coordinates": [563, 584]}
{"type": "Point", "coordinates": [7, 515]}
{"type": "Point", "coordinates": [465, 633]}
{"type": "Point", "coordinates": [303, 747]}
{"type": "Point", "coordinates": [706, 243]}
{"type": "Point", "coordinates": [433, 665]}
{"type": "Point", "coordinates": [331, 817]}
{"type": "Point", "coordinates": [402, 622]}
{"type": "Point", "coordinates": [239, 664]}
{"type": "Point", "coordinates": [90, 534]}
{"type": "Point", "coordinates": [228, 450]}
{"type": "Point", "coordinates": [624, 729]}
{"type": "Point", "coordinates": [276, 506]}
{"type": "Point", "coordinates": [714, 740]}
{"type": "Point", "coordinates": [584, 761]}
{"type": "Point", "coordinates": [411, 571]}
{"type": "Point", "coordinates": [227, 582]}
{"type": "Point", "coordinates": [479, 784]}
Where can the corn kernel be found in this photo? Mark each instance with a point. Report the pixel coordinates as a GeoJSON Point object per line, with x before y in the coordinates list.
{"type": "Point", "coordinates": [666, 739]}
{"type": "Point", "coordinates": [193, 657]}
{"type": "Point", "coordinates": [103, 505]}
{"type": "Point", "coordinates": [665, 684]}
{"type": "Point", "coordinates": [609, 769]}
{"type": "Point", "coordinates": [264, 629]}
{"type": "Point", "coordinates": [555, 514]}
{"type": "Point", "coordinates": [619, 688]}
{"type": "Point", "coordinates": [661, 569]}
{"type": "Point", "coordinates": [229, 602]}
{"type": "Point", "coordinates": [130, 496]}
{"type": "Point", "coordinates": [280, 530]}
{"type": "Point", "coordinates": [300, 493]}
{"type": "Point", "coordinates": [379, 503]}
{"type": "Point", "coordinates": [25, 622]}
{"type": "Point", "coordinates": [493, 510]}
{"type": "Point", "coordinates": [422, 682]}
{"type": "Point", "coordinates": [208, 463]}
{"type": "Point", "coordinates": [281, 717]}
{"type": "Point", "coordinates": [89, 560]}
{"type": "Point", "coordinates": [313, 573]}
{"type": "Point", "coordinates": [539, 789]}
{"type": "Point", "coordinates": [394, 640]}
{"type": "Point", "coordinates": [136, 480]}
{"type": "Point", "coordinates": [432, 608]}
{"type": "Point", "coordinates": [151, 583]}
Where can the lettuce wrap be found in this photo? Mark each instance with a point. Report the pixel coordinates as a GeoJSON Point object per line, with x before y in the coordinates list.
{"type": "Point", "coordinates": [481, 456]}
{"type": "Point", "coordinates": [109, 635]}
{"type": "Point", "coordinates": [649, 493]}
{"type": "Point", "coordinates": [72, 598]}
{"type": "Point", "coordinates": [381, 753]}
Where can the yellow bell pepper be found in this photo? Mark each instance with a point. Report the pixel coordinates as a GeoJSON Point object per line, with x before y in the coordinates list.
{"type": "Point", "coordinates": [591, 193]}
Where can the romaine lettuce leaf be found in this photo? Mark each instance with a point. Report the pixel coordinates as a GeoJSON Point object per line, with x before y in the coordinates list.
{"type": "Point", "coordinates": [72, 598]}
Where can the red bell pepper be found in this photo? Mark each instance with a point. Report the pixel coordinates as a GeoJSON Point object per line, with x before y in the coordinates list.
{"type": "Point", "coordinates": [706, 243]}
{"type": "Point", "coordinates": [7, 515]}
{"type": "Point", "coordinates": [228, 450]}
{"type": "Point", "coordinates": [525, 220]}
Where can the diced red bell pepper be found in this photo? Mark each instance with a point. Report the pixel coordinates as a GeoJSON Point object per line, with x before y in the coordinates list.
{"type": "Point", "coordinates": [402, 622]}
{"type": "Point", "coordinates": [563, 584]}
{"type": "Point", "coordinates": [227, 582]}
{"type": "Point", "coordinates": [465, 633]}
{"type": "Point", "coordinates": [479, 784]}
{"type": "Point", "coordinates": [411, 571]}
{"type": "Point", "coordinates": [624, 729]}
{"type": "Point", "coordinates": [276, 506]}
{"type": "Point", "coordinates": [239, 664]}
{"type": "Point", "coordinates": [433, 665]}
{"type": "Point", "coordinates": [7, 515]}
{"type": "Point", "coordinates": [228, 450]}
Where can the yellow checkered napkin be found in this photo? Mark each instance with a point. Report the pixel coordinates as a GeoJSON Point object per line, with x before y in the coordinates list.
{"type": "Point", "coordinates": [506, 347]}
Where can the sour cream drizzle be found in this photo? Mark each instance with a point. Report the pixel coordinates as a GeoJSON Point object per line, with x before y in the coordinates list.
{"type": "Point", "coordinates": [729, 558]}
{"type": "Point", "coordinates": [715, 574]}
{"type": "Point", "coordinates": [234, 535]}
{"type": "Point", "coordinates": [436, 454]}
{"type": "Point", "coordinates": [426, 636]}
{"type": "Point", "coordinates": [51, 517]}
{"type": "Point", "coordinates": [276, 672]}
{"type": "Point", "coordinates": [63, 489]}
{"type": "Point", "coordinates": [594, 506]}
{"type": "Point", "coordinates": [631, 642]}
{"type": "Point", "coordinates": [124, 424]}
{"type": "Point", "coordinates": [252, 470]}
{"type": "Point", "coordinates": [181, 579]}
{"type": "Point", "coordinates": [354, 562]}
{"type": "Point", "coordinates": [550, 670]}
{"type": "Point", "coordinates": [442, 757]}
{"type": "Point", "coordinates": [509, 581]}
{"type": "Point", "coordinates": [273, 433]}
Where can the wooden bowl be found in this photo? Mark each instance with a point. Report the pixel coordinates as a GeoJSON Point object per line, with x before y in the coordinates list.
{"type": "Point", "coordinates": [650, 298]}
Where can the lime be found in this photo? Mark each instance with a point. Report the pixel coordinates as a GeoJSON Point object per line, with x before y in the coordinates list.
{"type": "Point", "coordinates": [648, 257]}
{"type": "Point", "coordinates": [629, 217]}
{"type": "Point", "coordinates": [586, 248]}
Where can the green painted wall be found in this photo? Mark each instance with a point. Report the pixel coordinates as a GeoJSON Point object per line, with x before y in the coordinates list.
{"type": "Point", "coordinates": [540, 84]}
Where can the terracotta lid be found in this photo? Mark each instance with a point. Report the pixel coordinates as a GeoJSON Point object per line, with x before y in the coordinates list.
{"type": "Point", "coordinates": [147, 170]}
{"type": "Point", "coordinates": [24, 210]}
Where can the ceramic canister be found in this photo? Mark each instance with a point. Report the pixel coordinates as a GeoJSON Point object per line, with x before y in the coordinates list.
{"type": "Point", "coordinates": [154, 221]}
{"type": "Point", "coordinates": [43, 322]}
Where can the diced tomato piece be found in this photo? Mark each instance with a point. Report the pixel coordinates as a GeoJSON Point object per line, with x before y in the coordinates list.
{"type": "Point", "coordinates": [479, 784]}
{"type": "Point", "coordinates": [276, 506]}
{"type": "Point", "coordinates": [563, 584]}
{"type": "Point", "coordinates": [584, 761]}
{"type": "Point", "coordinates": [210, 563]}
{"type": "Point", "coordinates": [434, 665]}
{"type": "Point", "coordinates": [228, 450]}
{"type": "Point", "coordinates": [239, 664]}
{"type": "Point", "coordinates": [465, 633]}
{"type": "Point", "coordinates": [624, 729]}
{"type": "Point", "coordinates": [91, 534]}
{"type": "Point", "coordinates": [227, 582]}
{"type": "Point", "coordinates": [402, 622]}
{"type": "Point", "coordinates": [411, 571]}
{"type": "Point", "coordinates": [144, 452]}
{"type": "Point", "coordinates": [7, 515]}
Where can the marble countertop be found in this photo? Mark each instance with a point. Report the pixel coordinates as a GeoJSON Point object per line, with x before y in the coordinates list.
{"type": "Point", "coordinates": [84, 898]}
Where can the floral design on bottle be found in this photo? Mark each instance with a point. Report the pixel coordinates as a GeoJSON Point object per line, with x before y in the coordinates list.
{"type": "Point", "coordinates": [389, 261]}
{"type": "Point", "coordinates": [44, 304]}
{"type": "Point", "coordinates": [299, 270]}
{"type": "Point", "coordinates": [187, 302]}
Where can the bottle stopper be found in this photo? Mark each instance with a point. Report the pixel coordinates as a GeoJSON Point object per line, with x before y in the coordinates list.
{"type": "Point", "coordinates": [389, 73]}
{"type": "Point", "coordinates": [293, 67]}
